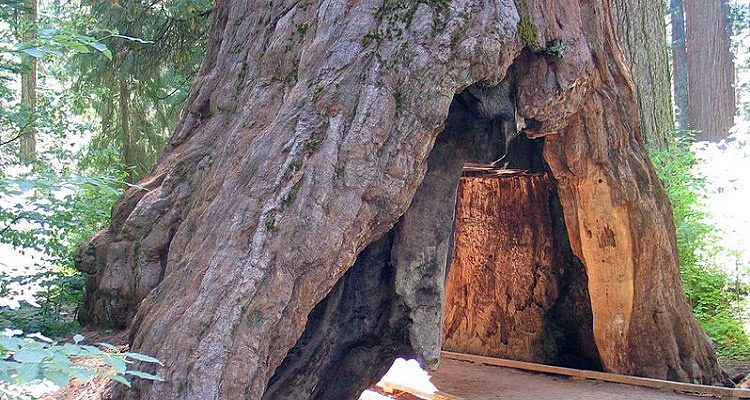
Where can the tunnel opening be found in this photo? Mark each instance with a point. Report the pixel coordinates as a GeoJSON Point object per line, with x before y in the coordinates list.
{"type": "Point", "coordinates": [514, 289]}
{"type": "Point", "coordinates": [390, 303]}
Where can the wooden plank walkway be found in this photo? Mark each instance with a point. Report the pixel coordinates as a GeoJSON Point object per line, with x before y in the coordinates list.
{"type": "Point", "coordinates": [452, 375]}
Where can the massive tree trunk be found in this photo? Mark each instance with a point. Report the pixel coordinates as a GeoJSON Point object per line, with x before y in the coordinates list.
{"type": "Point", "coordinates": [642, 35]}
{"type": "Point", "coordinates": [293, 237]}
{"type": "Point", "coordinates": [710, 62]}
{"type": "Point", "coordinates": [679, 64]}
{"type": "Point", "coordinates": [27, 152]}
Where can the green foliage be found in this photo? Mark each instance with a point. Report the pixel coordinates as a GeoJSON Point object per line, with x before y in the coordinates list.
{"type": "Point", "coordinates": [53, 214]}
{"type": "Point", "coordinates": [56, 42]}
{"type": "Point", "coordinates": [714, 296]}
{"type": "Point", "coordinates": [138, 95]}
{"type": "Point", "coordinates": [28, 360]}
{"type": "Point", "coordinates": [528, 33]}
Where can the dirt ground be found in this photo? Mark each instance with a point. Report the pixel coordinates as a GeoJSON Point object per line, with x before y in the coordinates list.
{"type": "Point", "coordinates": [480, 382]}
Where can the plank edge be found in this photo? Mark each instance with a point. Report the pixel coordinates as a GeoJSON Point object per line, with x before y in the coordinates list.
{"type": "Point", "coordinates": [652, 383]}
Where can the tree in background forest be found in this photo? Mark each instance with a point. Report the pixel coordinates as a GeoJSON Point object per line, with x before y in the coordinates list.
{"type": "Point", "coordinates": [703, 67]}
{"type": "Point", "coordinates": [679, 63]}
{"type": "Point", "coordinates": [139, 93]}
{"type": "Point", "coordinates": [643, 39]}
{"type": "Point", "coordinates": [113, 78]}
{"type": "Point", "coordinates": [27, 26]}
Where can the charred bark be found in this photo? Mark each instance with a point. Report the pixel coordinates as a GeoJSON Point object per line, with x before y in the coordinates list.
{"type": "Point", "coordinates": [306, 140]}
{"type": "Point", "coordinates": [388, 304]}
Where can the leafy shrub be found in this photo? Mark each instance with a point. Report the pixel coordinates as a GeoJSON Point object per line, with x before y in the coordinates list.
{"type": "Point", "coordinates": [52, 214]}
{"type": "Point", "coordinates": [31, 359]}
{"type": "Point", "coordinates": [715, 298]}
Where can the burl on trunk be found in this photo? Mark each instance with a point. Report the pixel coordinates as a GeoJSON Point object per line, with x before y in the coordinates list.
{"type": "Point", "coordinates": [311, 183]}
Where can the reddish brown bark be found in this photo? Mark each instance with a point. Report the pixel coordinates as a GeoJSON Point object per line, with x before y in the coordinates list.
{"type": "Point", "coordinates": [710, 64]}
{"type": "Point", "coordinates": [324, 140]}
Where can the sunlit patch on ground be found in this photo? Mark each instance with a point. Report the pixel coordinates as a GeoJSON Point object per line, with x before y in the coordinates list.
{"type": "Point", "coordinates": [406, 374]}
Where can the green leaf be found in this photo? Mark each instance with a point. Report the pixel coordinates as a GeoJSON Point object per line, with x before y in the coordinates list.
{"type": "Point", "coordinates": [143, 357]}
{"type": "Point", "coordinates": [121, 379]}
{"type": "Point", "coordinates": [57, 377]}
{"type": "Point", "coordinates": [26, 373]}
{"type": "Point", "coordinates": [9, 343]}
{"type": "Point", "coordinates": [117, 363]}
{"type": "Point", "coordinates": [89, 350]}
{"type": "Point", "coordinates": [34, 52]}
{"type": "Point", "coordinates": [47, 33]}
{"type": "Point", "coordinates": [145, 375]}
{"type": "Point", "coordinates": [31, 356]}
{"type": "Point", "coordinates": [82, 373]}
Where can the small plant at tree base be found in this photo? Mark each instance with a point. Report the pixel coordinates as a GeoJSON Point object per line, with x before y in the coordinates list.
{"type": "Point", "coordinates": [34, 358]}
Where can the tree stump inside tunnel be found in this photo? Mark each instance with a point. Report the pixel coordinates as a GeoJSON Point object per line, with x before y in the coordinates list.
{"type": "Point", "coordinates": [513, 272]}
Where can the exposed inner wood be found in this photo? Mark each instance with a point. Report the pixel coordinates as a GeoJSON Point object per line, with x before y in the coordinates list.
{"type": "Point", "coordinates": [508, 276]}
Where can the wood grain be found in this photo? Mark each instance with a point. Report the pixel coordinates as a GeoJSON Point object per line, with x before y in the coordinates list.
{"type": "Point", "coordinates": [503, 278]}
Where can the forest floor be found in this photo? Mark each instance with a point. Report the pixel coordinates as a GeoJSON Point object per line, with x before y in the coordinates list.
{"type": "Point", "coordinates": [471, 381]}
{"type": "Point", "coordinates": [465, 380]}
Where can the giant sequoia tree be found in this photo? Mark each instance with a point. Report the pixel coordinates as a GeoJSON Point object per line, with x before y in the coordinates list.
{"type": "Point", "coordinates": [292, 238]}
{"type": "Point", "coordinates": [710, 69]}
{"type": "Point", "coordinates": [643, 38]}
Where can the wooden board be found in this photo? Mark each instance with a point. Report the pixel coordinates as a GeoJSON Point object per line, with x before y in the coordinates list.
{"type": "Point", "coordinates": [394, 388]}
{"type": "Point", "coordinates": [604, 376]}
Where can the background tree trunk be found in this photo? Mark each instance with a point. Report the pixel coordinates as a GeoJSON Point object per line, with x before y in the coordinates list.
{"type": "Point", "coordinates": [28, 19]}
{"type": "Point", "coordinates": [710, 65]}
{"type": "Point", "coordinates": [323, 136]}
{"type": "Point", "coordinates": [643, 38]}
{"type": "Point", "coordinates": [679, 64]}
{"type": "Point", "coordinates": [126, 153]}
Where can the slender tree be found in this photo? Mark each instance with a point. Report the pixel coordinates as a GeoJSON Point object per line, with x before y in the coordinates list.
{"type": "Point", "coordinates": [644, 40]}
{"type": "Point", "coordinates": [710, 64]}
{"type": "Point", "coordinates": [27, 152]}
{"type": "Point", "coordinates": [679, 64]}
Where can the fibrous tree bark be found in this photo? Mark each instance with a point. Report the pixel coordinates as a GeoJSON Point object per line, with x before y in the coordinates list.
{"type": "Point", "coordinates": [317, 162]}
{"type": "Point", "coordinates": [643, 37]}
{"type": "Point", "coordinates": [710, 64]}
{"type": "Point", "coordinates": [679, 64]}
